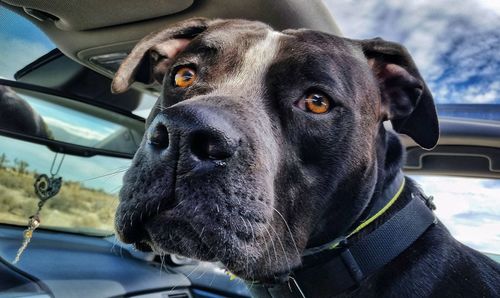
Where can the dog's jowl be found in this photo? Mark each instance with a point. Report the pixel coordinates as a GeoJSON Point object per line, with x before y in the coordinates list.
{"type": "Point", "coordinates": [266, 151]}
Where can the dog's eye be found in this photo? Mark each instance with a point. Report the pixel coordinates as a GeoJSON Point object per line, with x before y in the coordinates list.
{"type": "Point", "coordinates": [316, 103]}
{"type": "Point", "coordinates": [184, 77]}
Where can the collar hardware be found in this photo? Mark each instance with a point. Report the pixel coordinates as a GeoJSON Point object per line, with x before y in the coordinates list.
{"type": "Point", "coordinates": [351, 265]}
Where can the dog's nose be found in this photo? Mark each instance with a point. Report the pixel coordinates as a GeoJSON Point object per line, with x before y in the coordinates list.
{"type": "Point", "coordinates": [158, 136]}
{"type": "Point", "coordinates": [198, 132]}
{"type": "Point", "coordinates": [210, 144]}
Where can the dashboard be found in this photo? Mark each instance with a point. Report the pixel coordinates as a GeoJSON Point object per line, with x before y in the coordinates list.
{"type": "Point", "coordinates": [60, 264]}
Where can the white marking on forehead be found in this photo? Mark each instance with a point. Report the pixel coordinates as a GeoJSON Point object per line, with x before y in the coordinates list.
{"type": "Point", "coordinates": [254, 65]}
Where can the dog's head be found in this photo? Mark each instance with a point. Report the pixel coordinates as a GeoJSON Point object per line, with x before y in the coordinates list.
{"type": "Point", "coordinates": [259, 134]}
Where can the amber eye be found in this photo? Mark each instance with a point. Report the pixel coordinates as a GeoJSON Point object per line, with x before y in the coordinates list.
{"type": "Point", "coordinates": [317, 103]}
{"type": "Point", "coordinates": [184, 77]}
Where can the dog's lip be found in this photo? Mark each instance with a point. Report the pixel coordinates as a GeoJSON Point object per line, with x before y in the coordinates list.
{"type": "Point", "coordinates": [180, 227]}
{"type": "Point", "coordinates": [144, 246]}
{"type": "Point", "coordinates": [150, 225]}
{"type": "Point", "coordinates": [199, 229]}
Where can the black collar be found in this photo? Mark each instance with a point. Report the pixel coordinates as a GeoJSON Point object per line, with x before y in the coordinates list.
{"type": "Point", "coordinates": [340, 265]}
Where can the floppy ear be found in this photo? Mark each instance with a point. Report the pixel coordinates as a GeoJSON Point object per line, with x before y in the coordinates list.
{"type": "Point", "coordinates": [406, 100]}
{"type": "Point", "coordinates": [148, 60]}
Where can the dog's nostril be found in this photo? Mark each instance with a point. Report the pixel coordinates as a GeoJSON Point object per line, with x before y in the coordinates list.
{"type": "Point", "coordinates": [210, 145]}
{"type": "Point", "coordinates": [158, 137]}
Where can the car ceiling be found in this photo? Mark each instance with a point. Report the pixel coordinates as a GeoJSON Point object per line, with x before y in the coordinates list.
{"type": "Point", "coordinates": [84, 29]}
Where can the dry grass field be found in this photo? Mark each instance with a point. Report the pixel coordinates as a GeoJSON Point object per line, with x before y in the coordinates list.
{"type": "Point", "coordinates": [75, 207]}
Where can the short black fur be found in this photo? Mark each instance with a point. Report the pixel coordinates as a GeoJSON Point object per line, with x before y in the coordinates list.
{"type": "Point", "coordinates": [245, 177]}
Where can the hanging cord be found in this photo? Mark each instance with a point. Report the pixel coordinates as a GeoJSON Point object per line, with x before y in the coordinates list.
{"type": "Point", "coordinates": [58, 167]}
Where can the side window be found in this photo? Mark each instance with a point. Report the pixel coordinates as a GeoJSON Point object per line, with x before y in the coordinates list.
{"type": "Point", "coordinates": [469, 207]}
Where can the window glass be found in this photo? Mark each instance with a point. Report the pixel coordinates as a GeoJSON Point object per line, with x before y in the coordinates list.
{"type": "Point", "coordinates": [469, 207]}
{"type": "Point", "coordinates": [70, 121]}
{"type": "Point", "coordinates": [86, 202]}
{"type": "Point", "coordinates": [455, 44]}
{"type": "Point", "coordinates": [21, 43]}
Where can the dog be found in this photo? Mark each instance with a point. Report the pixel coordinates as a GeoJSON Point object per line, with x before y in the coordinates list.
{"type": "Point", "coordinates": [267, 151]}
{"type": "Point", "coordinates": [17, 115]}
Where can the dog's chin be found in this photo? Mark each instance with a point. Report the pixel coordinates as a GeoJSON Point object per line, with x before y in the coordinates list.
{"type": "Point", "coordinates": [240, 253]}
{"type": "Point", "coordinates": [174, 236]}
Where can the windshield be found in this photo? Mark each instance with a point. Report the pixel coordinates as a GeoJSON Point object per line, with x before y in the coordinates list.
{"type": "Point", "coordinates": [454, 43]}
{"type": "Point", "coordinates": [86, 202]}
{"type": "Point", "coordinates": [21, 41]}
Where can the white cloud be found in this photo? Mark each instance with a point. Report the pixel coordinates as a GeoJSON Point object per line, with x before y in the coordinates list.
{"type": "Point", "coordinates": [468, 207]}
{"type": "Point", "coordinates": [455, 44]}
{"type": "Point", "coordinates": [475, 94]}
{"type": "Point", "coordinates": [491, 5]}
{"type": "Point", "coordinates": [76, 130]}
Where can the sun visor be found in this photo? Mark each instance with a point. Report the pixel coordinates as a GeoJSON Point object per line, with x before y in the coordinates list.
{"type": "Point", "coordinates": [82, 15]}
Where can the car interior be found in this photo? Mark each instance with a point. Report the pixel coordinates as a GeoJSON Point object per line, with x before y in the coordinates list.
{"type": "Point", "coordinates": [82, 257]}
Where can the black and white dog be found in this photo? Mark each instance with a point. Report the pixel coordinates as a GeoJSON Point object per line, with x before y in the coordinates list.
{"type": "Point", "coordinates": [267, 152]}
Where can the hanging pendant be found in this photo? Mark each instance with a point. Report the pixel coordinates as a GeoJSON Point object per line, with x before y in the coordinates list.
{"type": "Point", "coordinates": [45, 188]}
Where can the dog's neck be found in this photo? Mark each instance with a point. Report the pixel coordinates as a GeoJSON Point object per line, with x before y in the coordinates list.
{"type": "Point", "coordinates": [389, 161]}
{"type": "Point", "coordinates": [392, 207]}
{"type": "Point", "coordinates": [388, 197]}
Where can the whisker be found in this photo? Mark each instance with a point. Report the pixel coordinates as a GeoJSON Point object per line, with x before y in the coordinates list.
{"type": "Point", "coordinates": [289, 230]}
{"type": "Point", "coordinates": [246, 255]}
{"type": "Point", "coordinates": [287, 226]}
{"type": "Point", "coordinates": [273, 245]}
{"type": "Point", "coordinates": [115, 241]}
{"type": "Point", "coordinates": [177, 205]}
{"type": "Point", "coordinates": [105, 175]}
{"type": "Point", "coordinates": [162, 261]}
{"type": "Point", "coordinates": [188, 275]}
{"type": "Point", "coordinates": [212, 281]}
{"type": "Point", "coordinates": [282, 248]}
{"type": "Point", "coordinates": [194, 269]}
{"type": "Point", "coordinates": [202, 274]}
{"type": "Point", "coordinates": [115, 190]}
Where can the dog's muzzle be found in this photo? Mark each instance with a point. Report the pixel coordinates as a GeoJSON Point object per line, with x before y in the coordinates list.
{"type": "Point", "coordinates": [188, 142]}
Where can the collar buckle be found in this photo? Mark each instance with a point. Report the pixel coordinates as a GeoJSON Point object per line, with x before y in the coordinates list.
{"type": "Point", "coordinates": [350, 263]}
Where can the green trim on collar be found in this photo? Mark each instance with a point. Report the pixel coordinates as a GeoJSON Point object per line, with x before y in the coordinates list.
{"type": "Point", "coordinates": [375, 216]}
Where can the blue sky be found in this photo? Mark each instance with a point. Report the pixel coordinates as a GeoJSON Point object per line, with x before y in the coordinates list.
{"type": "Point", "coordinates": [21, 42]}
{"type": "Point", "coordinates": [456, 44]}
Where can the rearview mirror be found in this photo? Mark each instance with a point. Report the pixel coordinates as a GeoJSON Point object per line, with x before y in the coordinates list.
{"type": "Point", "coordinates": [66, 124]}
